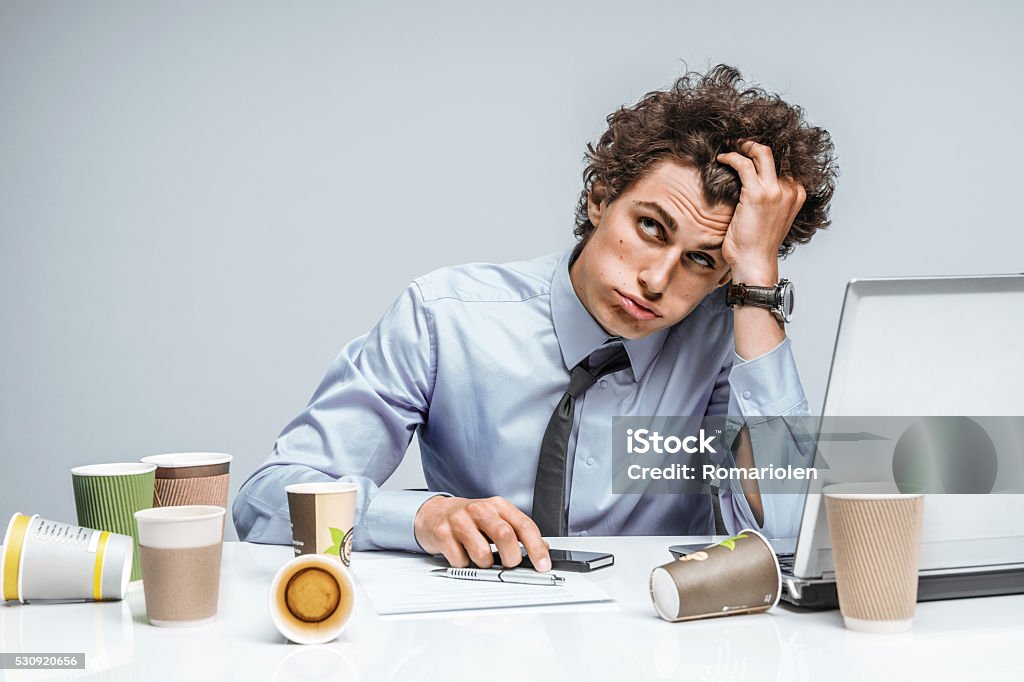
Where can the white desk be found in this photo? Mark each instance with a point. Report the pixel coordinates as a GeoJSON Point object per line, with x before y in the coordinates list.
{"type": "Point", "coordinates": [964, 639]}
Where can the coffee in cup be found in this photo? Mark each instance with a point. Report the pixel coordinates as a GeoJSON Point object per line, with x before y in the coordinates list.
{"type": "Point", "coordinates": [738, 575]}
{"type": "Point", "coordinates": [311, 599]}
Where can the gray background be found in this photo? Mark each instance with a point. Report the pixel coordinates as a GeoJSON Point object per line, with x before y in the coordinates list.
{"type": "Point", "coordinates": [200, 203]}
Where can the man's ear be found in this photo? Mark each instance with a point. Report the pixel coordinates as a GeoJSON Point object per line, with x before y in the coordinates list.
{"type": "Point", "coordinates": [596, 203]}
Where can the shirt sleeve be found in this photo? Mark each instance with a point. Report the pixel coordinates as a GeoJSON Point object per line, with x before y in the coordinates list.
{"type": "Point", "coordinates": [762, 393]}
{"type": "Point", "coordinates": [355, 429]}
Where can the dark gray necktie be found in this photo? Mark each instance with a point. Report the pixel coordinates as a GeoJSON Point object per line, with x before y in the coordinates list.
{"type": "Point", "coordinates": [549, 491]}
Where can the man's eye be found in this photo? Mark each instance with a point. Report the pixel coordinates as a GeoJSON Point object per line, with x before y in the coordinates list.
{"type": "Point", "coordinates": [701, 259]}
{"type": "Point", "coordinates": [651, 227]}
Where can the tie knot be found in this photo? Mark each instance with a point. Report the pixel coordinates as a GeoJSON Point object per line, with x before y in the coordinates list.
{"type": "Point", "coordinates": [584, 375]}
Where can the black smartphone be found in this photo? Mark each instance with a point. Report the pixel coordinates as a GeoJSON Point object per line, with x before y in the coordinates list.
{"type": "Point", "coordinates": [569, 560]}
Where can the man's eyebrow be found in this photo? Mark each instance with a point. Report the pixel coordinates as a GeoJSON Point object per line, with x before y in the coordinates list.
{"type": "Point", "coordinates": [710, 246]}
{"type": "Point", "coordinates": [669, 221]}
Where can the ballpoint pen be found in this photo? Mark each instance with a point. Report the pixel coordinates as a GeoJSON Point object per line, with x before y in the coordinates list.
{"type": "Point", "coordinates": [499, 575]}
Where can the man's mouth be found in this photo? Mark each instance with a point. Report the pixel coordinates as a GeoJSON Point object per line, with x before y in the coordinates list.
{"type": "Point", "coordinates": [635, 309]}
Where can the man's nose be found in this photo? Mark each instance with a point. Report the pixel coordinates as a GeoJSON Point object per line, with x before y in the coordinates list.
{"type": "Point", "coordinates": [655, 275]}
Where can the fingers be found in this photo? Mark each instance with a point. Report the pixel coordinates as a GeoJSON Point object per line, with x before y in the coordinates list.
{"type": "Point", "coordinates": [745, 167]}
{"type": "Point", "coordinates": [763, 160]}
{"type": "Point", "coordinates": [756, 168]}
{"type": "Point", "coordinates": [466, 530]}
{"type": "Point", "coordinates": [453, 551]}
{"type": "Point", "coordinates": [528, 533]}
{"type": "Point", "coordinates": [502, 534]}
{"type": "Point", "coordinates": [463, 530]}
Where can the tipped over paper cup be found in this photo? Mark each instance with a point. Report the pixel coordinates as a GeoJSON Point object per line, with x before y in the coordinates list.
{"type": "Point", "coordinates": [311, 599]}
{"type": "Point", "coordinates": [49, 560]}
{"type": "Point", "coordinates": [738, 575]}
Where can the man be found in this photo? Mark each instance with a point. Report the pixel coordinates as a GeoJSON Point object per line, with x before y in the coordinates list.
{"type": "Point", "coordinates": [511, 374]}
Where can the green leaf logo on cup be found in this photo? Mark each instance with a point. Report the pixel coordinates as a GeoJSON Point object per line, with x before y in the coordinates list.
{"type": "Point", "coordinates": [730, 543]}
{"type": "Point", "coordinates": [337, 537]}
{"type": "Point", "coordinates": [342, 545]}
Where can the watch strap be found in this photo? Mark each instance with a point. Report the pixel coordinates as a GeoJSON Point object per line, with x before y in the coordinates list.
{"type": "Point", "coordinates": [744, 294]}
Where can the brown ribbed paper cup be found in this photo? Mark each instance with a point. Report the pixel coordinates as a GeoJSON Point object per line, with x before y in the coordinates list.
{"type": "Point", "coordinates": [186, 478]}
{"type": "Point", "coordinates": [876, 548]}
{"type": "Point", "coordinates": [738, 575]}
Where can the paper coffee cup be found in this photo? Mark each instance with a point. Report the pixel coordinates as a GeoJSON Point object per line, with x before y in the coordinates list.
{"type": "Point", "coordinates": [738, 575]}
{"type": "Point", "coordinates": [49, 560]}
{"type": "Point", "coordinates": [107, 496]}
{"type": "Point", "coordinates": [323, 516]}
{"type": "Point", "coordinates": [187, 478]}
{"type": "Point", "coordinates": [876, 549]}
{"type": "Point", "coordinates": [181, 552]}
{"type": "Point", "coordinates": [311, 599]}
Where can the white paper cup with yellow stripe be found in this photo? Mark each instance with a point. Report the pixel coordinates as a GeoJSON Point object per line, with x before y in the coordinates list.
{"type": "Point", "coordinates": [53, 561]}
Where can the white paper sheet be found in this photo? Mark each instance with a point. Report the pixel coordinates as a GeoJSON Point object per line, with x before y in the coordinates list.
{"type": "Point", "coordinates": [403, 585]}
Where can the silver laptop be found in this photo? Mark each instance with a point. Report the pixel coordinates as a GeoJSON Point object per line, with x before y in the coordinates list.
{"type": "Point", "coordinates": [935, 346]}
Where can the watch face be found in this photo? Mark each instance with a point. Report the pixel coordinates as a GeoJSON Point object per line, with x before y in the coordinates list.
{"type": "Point", "coordinates": [787, 301]}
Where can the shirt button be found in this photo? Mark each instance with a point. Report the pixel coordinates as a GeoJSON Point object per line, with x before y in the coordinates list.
{"type": "Point", "coordinates": [604, 383]}
{"type": "Point", "coordinates": [746, 395]}
{"type": "Point", "coordinates": [590, 461]}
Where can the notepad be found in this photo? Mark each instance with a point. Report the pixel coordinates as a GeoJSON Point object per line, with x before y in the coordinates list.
{"type": "Point", "coordinates": [404, 585]}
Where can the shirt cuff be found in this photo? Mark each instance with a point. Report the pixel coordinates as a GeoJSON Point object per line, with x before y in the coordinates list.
{"type": "Point", "coordinates": [769, 385]}
{"type": "Point", "coordinates": [391, 516]}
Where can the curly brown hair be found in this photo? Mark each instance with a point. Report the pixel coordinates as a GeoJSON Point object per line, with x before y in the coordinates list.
{"type": "Point", "coordinates": [702, 116]}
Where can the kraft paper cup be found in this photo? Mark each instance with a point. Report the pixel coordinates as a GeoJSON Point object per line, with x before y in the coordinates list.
{"type": "Point", "coordinates": [185, 478]}
{"type": "Point", "coordinates": [323, 517]}
{"type": "Point", "coordinates": [107, 496]}
{"type": "Point", "coordinates": [876, 548]}
{"type": "Point", "coordinates": [181, 554]}
{"type": "Point", "coordinates": [311, 599]}
{"type": "Point", "coordinates": [49, 560]}
{"type": "Point", "coordinates": [738, 575]}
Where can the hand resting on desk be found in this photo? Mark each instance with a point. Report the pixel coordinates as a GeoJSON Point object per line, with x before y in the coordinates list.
{"type": "Point", "coordinates": [462, 530]}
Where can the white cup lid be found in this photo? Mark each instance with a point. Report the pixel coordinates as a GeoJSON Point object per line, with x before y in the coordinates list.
{"type": "Point", "coordinates": [321, 488]}
{"type": "Point", "coordinates": [188, 459]}
{"type": "Point", "coordinates": [115, 469]}
{"type": "Point", "coordinates": [866, 491]}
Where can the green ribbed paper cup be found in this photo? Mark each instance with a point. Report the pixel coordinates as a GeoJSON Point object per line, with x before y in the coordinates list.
{"type": "Point", "coordinates": [108, 495]}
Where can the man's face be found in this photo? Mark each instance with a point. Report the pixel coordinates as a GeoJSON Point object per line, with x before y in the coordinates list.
{"type": "Point", "coordinates": [655, 254]}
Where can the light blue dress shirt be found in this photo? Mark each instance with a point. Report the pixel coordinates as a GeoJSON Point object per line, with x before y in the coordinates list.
{"type": "Point", "coordinates": [474, 359]}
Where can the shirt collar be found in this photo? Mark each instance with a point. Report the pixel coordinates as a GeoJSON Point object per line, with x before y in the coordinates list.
{"type": "Point", "coordinates": [579, 334]}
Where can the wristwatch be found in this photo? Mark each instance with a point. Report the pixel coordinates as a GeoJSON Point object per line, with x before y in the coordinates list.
{"type": "Point", "coordinates": [778, 299]}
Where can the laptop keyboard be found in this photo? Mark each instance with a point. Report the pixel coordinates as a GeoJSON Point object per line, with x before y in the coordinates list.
{"type": "Point", "coordinates": [786, 562]}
